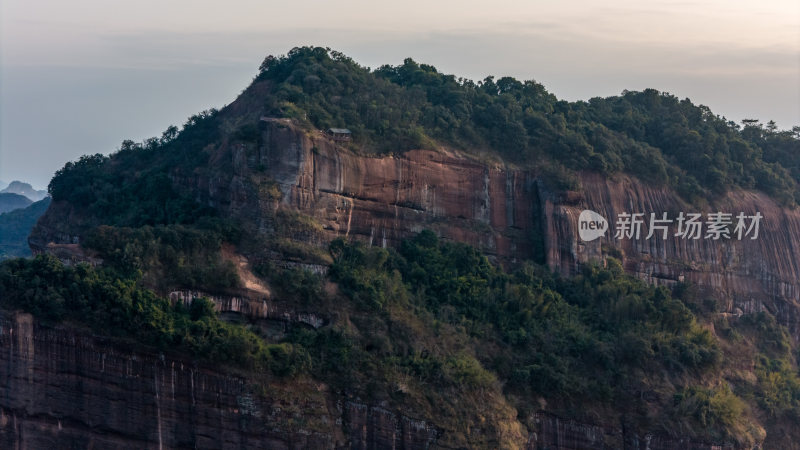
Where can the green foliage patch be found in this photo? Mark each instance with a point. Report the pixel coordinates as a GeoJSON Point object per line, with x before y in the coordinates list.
{"type": "Point", "coordinates": [579, 336]}
{"type": "Point", "coordinates": [434, 323]}
{"type": "Point", "coordinates": [650, 134]}
{"type": "Point", "coordinates": [118, 307]}
{"type": "Point", "coordinates": [136, 186]}
{"type": "Point", "coordinates": [170, 256]}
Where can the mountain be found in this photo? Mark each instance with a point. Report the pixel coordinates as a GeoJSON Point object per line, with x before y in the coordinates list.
{"type": "Point", "coordinates": [10, 202]}
{"type": "Point", "coordinates": [16, 225]}
{"type": "Point", "coordinates": [3, 184]}
{"type": "Point", "coordinates": [18, 187]}
{"type": "Point", "coordinates": [251, 280]}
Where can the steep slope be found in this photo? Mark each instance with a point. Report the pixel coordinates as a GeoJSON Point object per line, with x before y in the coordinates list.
{"type": "Point", "coordinates": [745, 276]}
{"type": "Point", "coordinates": [245, 205]}
{"type": "Point", "coordinates": [66, 389]}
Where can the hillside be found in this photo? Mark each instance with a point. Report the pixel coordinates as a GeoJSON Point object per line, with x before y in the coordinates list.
{"type": "Point", "coordinates": [10, 202]}
{"type": "Point", "coordinates": [421, 286]}
{"type": "Point", "coordinates": [16, 225]}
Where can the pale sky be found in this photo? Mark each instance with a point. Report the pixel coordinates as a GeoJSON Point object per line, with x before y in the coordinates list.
{"type": "Point", "coordinates": [79, 76]}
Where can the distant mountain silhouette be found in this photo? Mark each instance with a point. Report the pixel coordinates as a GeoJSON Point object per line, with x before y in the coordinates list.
{"type": "Point", "coordinates": [15, 226]}
{"type": "Point", "coordinates": [21, 188]}
{"type": "Point", "coordinates": [10, 202]}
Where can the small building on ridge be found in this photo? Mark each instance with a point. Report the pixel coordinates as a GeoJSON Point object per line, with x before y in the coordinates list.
{"type": "Point", "coordinates": [340, 134]}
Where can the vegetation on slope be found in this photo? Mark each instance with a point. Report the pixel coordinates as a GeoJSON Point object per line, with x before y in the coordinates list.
{"type": "Point", "coordinates": [437, 330]}
{"type": "Point", "coordinates": [580, 343]}
{"type": "Point", "coordinates": [169, 256]}
{"type": "Point", "coordinates": [565, 330]}
{"type": "Point", "coordinates": [651, 134]}
{"type": "Point", "coordinates": [432, 326]}
{"type": "Point", "coordinates": [116, 306]}
{"type": "Point", "coordinates": [134, 187]}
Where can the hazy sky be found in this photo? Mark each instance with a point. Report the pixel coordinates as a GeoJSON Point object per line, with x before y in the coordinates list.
{"type": "Point", "coordinates": [80, 76]}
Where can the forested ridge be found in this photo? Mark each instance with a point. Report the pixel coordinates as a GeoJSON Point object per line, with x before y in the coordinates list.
{"type": "Point", "coordinates": [431, 327]}
{"type": "Point", "coordinates": [650, 134]}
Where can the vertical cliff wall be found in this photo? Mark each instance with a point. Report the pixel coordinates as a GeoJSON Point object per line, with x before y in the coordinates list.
{"type": "Point", "coordinates": [746, 275]}
{"type": "Point", "coordinates": [60, 388]}
{"type": "Point", "coordinates": [380, 200]}
{"type": "Point", "coordinates": [65, 389]}
{"type": "Point", "coordinates": [512, 215]}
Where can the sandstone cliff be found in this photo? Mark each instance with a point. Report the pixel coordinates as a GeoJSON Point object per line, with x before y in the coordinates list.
{"type": "Point", "coordinates": [62, 388]}
{"type": "Point", "coordinates": [746, 276]}
{"type": "Point", "coordinates": [380, 200]}
{"type": "Point", "coordinates": [509, 213]}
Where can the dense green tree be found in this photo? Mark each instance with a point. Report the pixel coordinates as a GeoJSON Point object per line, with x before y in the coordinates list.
{"type": "Point", "coordinates": [117, 306]}
{"type": "Point", "coordinates": [651, 134]}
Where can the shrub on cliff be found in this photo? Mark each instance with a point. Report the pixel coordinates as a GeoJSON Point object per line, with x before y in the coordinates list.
{"type": "Point", "coordinates": [170, 256]}
{"type": "Point", "coordinates": [117, 307]}
{"type": "Point", "coordinates": [435, 325]}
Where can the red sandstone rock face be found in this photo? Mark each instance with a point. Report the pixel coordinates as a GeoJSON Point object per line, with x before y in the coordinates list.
{"type": "Point", "coordinates": [383, 200]}
{"type": "Point", "coordinates": [552, 432]}
{"type": "Point", "coordinates": [506, 213]}
{"type": "Point", "coordinates": [61, 389]}
{"type": "Point", "coordinates": [746, 276]}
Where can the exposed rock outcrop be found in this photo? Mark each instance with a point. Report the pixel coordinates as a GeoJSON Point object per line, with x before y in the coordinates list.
{"type": "Point", "coordinates": [253, 310]}
{"type": "Point", "coordinates": [62, 388]}
{"type": "Point", "coordinates": [553, 432]}
{"type": "Point", "coordinates": [745, 275]}
{"type": "Point", "coordinates": [511, 215]}
{"type": "Point", "coordinates": [65, 389]}
{"type": "Point", "coordinates": [380, 200]}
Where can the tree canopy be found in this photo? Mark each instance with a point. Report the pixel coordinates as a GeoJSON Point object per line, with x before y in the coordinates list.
{"type": "Point", "coordinates": [650, 134]}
